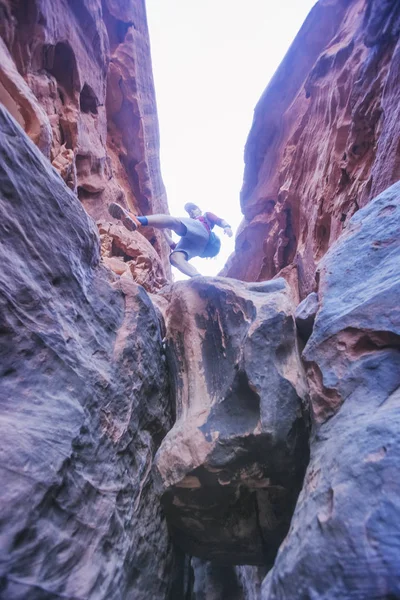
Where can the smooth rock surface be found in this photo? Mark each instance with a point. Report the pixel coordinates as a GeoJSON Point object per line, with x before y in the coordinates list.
{"type": "Point", "coordinates": [232, 465]}
{"type": "Point", "coordinates": [323, 141]}
{"type": "Point", "coordinates": [84, 401]}
{"type": "Point", "coordinates": [344, 540]}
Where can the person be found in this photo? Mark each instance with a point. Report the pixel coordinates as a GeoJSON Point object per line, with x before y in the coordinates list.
{"type": "Point", "coordinates": [194, 231]}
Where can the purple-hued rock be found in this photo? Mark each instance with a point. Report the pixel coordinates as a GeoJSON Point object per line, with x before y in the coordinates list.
{"type": "Point", "coordinates": [83, 398]}
{"type": "Point", "coordinates": [213, 581]}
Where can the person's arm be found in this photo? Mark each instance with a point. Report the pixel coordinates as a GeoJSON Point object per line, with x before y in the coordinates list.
{"type": "Point", "coordinates": [220, 223]}
{"type": "Point", "coordinates": [169, 239]}
{"type": "Point", "coordinates": [226, 227]}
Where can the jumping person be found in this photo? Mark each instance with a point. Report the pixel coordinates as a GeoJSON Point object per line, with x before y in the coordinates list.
{"type": "Point", "coordinates": [197, 238]}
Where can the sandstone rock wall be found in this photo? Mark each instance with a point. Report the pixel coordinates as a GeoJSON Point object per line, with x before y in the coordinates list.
{"type": "Point", "coordinates": [84, 398]}
{"type": "Point", "coordinates": [324, 140]}
{"type": "Point", "coordinates": [77, 77]}
{"type": "Point", "coordinates": [344, 537]}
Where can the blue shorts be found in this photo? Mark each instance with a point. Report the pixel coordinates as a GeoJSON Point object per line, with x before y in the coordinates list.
{"type": "Point", "coordinates": [194, 241]}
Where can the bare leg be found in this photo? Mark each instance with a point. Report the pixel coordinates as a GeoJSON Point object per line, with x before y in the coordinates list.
{"type": "Point", "coordinates": [166, 222]}
{"type": "Point", "coordinates": [178, 260]}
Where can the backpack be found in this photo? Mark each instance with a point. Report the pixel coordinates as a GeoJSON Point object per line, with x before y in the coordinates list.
{"type": "Point", "coordinates": [213, 246]}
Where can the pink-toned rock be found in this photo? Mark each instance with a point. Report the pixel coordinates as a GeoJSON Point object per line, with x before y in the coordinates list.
{"type": "Point", "coordinates": [323, 140]}
{"type": "Point", "coordinates": [124, 251]}
{"type": "Point", "coordinates": [78, 78]}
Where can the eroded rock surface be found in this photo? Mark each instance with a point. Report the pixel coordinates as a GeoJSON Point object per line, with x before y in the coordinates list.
{"type": "Point", "coordinates": [323, 141]}
{"type": "Point", "coordinates": [344, 540]}
{"type": "Point", "coordinates": [77, 76]}
{"type": "Point", "coordinates": [84, 401]}
{"type": "Point", "coordinates": [126, 252]}
{"type": "Point", "coordinates": [232, 465]}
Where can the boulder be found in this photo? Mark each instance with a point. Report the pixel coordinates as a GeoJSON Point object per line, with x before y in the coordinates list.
{"type": "Point", "coordinates": [233, 463]}
{"type": "Point", "coordinates": [323, 141]}
{"type": "Point", "coordinates": [217, 582]}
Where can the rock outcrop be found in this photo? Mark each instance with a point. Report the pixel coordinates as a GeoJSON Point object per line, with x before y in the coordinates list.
{"type": "Point", "coordinates": [84, 401]}
{"type": "Point", "coordinates": [323, 141]}
{"type": "Point", "coordinates": [344, 540]}
{"type": "Point", "coordinates": [77, 77]}
{"type": "Point", "coordinates": [232, 465]}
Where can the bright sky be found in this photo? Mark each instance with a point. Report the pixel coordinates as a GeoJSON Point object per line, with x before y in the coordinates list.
{"type": "Point", "coordinates": [212, 59]}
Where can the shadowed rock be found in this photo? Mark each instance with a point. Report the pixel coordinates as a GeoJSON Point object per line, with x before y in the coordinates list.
{"type": "Point", "coordinates": [344, 540]}
{"type": "Point", "coordinates": [84, 401]}
{"type": "Point", "coordinates": [232, 465]}
{"type": "Point", "coordinates": [305, 315]}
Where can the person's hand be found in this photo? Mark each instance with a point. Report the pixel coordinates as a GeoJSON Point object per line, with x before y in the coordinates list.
{"type": "Point", "coordinates": [228, 231]}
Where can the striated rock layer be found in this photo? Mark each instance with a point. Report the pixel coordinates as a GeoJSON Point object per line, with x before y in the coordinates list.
{"type": "Point", "coordinates": [84, 399]}
{"type": "Point", "coordinates": [77, 77]}
{"type": "Point", "coordinates": [324, 140]}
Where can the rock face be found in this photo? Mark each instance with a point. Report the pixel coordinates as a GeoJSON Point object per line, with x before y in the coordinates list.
{"type": "Point", "coordinates": [130, 253]}
{"type": "Point", "coordinates": [344, 540]}
{"type": "Point", "coordinates": [323, 141]}
{"type": "Point", "coordinates": [232, 465]}
{"type": "Point", "coordinates": [84, 401]}
{"type": "Point", "coordinates": [77, 77]}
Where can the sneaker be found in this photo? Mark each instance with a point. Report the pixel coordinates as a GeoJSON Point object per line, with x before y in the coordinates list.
{"type": "Point", "coordinates": [128, 220]}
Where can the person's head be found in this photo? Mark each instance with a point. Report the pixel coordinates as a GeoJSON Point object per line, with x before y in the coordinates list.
{"type": "Point", "coordinates": [193, 210]}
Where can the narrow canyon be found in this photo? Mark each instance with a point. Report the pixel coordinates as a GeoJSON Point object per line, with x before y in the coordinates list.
{"type": "Point", "coordinates": [234, 437]}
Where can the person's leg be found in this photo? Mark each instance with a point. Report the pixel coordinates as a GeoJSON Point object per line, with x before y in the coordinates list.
{"type": "Point", "coordinates": [166, 222]}
{"type": "Point", "coordinates": [178, 260]}
{"type": "Point", "coordinates": [132, 222]}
